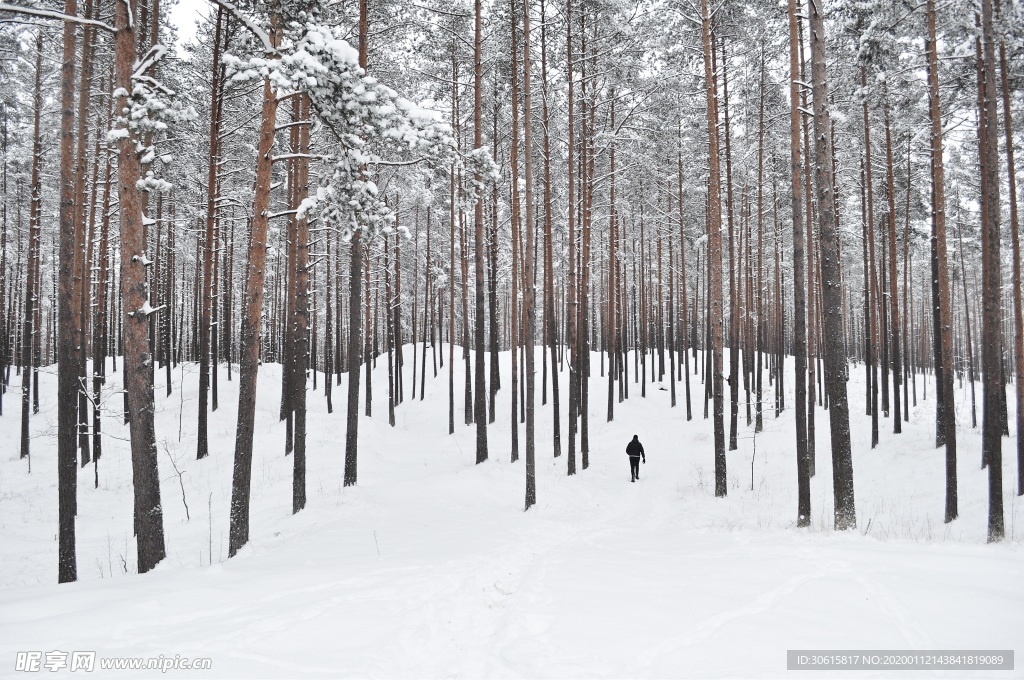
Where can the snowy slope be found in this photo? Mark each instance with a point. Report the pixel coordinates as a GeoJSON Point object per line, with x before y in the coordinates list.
{"type": "Point", "coordinates": [429, 567]}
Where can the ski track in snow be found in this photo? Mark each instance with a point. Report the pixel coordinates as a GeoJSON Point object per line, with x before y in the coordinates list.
{"type": "Point", "coordinates": [430, 568]}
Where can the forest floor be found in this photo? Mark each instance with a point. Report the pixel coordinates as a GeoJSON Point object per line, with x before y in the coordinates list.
{"type": "Point", "coordinates": [430, 568]}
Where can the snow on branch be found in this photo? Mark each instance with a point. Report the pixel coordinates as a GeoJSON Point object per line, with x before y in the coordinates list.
{"type": "Point", "coordinates": [155, 54]}
{"type": "Point", "coordinates": [249, 24]}
{"type": "Point", "coordinates": [53, 14]}
{"type": "Point", "coordinates": [367, 118]}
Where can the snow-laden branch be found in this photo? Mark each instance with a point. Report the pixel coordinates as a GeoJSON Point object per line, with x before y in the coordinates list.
{"type": "Point", "coordinates": [155, 54]}
{"type": "Point", "coordinates": [366, 117]}
{"type": "Point", "coordinates": [249, 24]}
{"type": "Point", "coordinates": [53, 14]}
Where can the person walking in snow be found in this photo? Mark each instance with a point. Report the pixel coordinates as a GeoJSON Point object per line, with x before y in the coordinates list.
{"type": "Point", "coordinates": [635, 451]}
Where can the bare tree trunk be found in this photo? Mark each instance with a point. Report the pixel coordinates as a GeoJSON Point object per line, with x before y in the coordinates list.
{"type": "Point", "coordinates": [138, 374]}
{"type": "Point", "coordinates": [355, 318]}
{"type": "Point", "coordinates": [82, 267]}
{"type": "Point", "coordinates": [734, 309]}
{"type": "Point", "coordinates": [610, 324]}
{"type": "Point", "coordinates": [29, 329]}
{"type": "Point", "coordinates": [492, 273]}
{"type": "Point", "coordinates": [480, 387]}
{"type": "Point", "coordinates": [869, 226]}
{"type": "Point", "coordinates": [451, 265]}
{"type": "Point", "coordinates": [205, 330]}
{"type": "Point", "coordinates": [299, 326]}
{"type": "Point", "coordinates": [1018, 313]}
{"type": "Point", "coordinates": [759, 418]}
{"type": "Point", "coordinates": [811, 322]}
{"type": "Point", "coordinates": [908, 306]}
{"type": "Point", "coordinates": [799, 328]}
{"type": "Point", "coordinates": [100, 328]}
{"type": "Point", "coordinates": [714, 254]}
{"type": "Point", "coordinates": [836, 365]}
{"type": "Point", "coordinates": [572, 329]}
{"type": "Point", "coordinates": [68, 310]}
{"type": "Point", "coordinates": [530, 287]}
{"type": "Point", "coordinates": [550, 331]}
{"type": "Point", "coordinates": [894, 314]}
{"type": "Point", "coordinates": [682, 279]}
{"type": "Point", "coordinates": [249, 344]}
{"type": "Point", "coordinates": [992, 282]}
{"type": "Point", "coordinates": [583, 329]}
{"type": "Point", "coordinates": [514, 160]}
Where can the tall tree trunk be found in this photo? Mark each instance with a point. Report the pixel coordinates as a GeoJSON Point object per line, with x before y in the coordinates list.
{"type": "Point", "coordinates": [836, 365]}
{"type": "Point", "coordinates": [992, 281]}
{"type": "Point", "coordinates": [759, 418]}
{"type": "Point", "coordinates": [908, 306]}
{"type": "Point", "coordinates": [68, 311]}
{"type": "Point", "coordinates": [682, 279]}
{"type": "Point", "coordinates": [451, 264]}
{"type": "Point", "coordinates": [894, 314]}
{"type": "Point", "coordinates": [249, 343]}
{"type": "Point", "coordinates": [1018, 312]}
{"type": "Point", "coordinates": [811, 322]}
{"type": "Point", "coordinates": [100, 328]}
{"type": "Point", "coordinates": [529, 280]}
{"type": "Point", "coordinates": [355, 318]}
{"type": "Point", "coordinates": [480, 386]}
{"type": "Point", "coordinates": [138, 374]}
{"type": "Point", "coordinates": [799, 328]}
{"type": "Point", "coordinates": [81, 265]}
{"type": "Point", "coordinates": [492, 273]}
{"type": "Point", "coordinates": [714, 254]}
{"type": "Point", "coordinates": [571, 320]}
{"type": "Point", "coordinates": [29, 329]}
{"type": "Point", "coordinates": [514, 160]}
{"type": "Point", "coordinates": [550, 331]}
{"type": "Point", "coordinates": [299, 326]}
{"type": "Point", "coordinates": [944, 360]}
{"type": "Point", "coordinates": [205, 329]}
{"type": "Point", "coordinates": [874, 306]}
{"type": "Point", "coordinates": [610, 323]}
{"type": "Point", "coordinates": [734, 309]}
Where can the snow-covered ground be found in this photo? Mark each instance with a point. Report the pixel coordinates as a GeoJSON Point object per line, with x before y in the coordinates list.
{"type": "Point", "coordinates": [430, 568]}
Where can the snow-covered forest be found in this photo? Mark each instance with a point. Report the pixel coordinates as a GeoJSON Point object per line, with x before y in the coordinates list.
{"type": "Point", "coordinates": [324, 328]}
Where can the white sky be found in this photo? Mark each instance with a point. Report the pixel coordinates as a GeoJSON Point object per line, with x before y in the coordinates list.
{"type": "Point", "coordinates": [184, 16]}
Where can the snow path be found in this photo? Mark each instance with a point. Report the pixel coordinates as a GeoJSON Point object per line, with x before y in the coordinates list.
{"type": "Point", "coordinates": [603, 578]}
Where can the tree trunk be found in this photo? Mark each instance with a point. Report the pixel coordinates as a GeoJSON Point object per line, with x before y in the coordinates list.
{"type": "Point", "coordinates": [836, 366]}
{"type": "Point", "coordinates": [529, 280]}
{"type": "Point", "coordinates": [714, 254]}
{"type": "Point", "coordinates": [81, 265]}
{"type": "Point", "coordinates": [514, 160]}
{"type": "Point", "coordinates": [799, 328]}
{"type": "Point", "coordinates": [68, 311]}
{"type": "Point", "coordinates": [991, 282]}
{"type": "Point", "coordinates": [249, 343]}
{"type": "Point", "coordinates": [944, 358]}
{"type": "Point", "coordinates": [869, 226]}
{"type": "Point", "coordinates": [571, 326]}
{"type": "Point", "coordinates": [550, 331]}
{"type": "Point", "coordinates": [1018, 313]}
{"type": "Point", "coordinates": [299, 327]}
{"type": "Point", "coordinates": [894, 314]}
{"type": "Point", "coordinates": [480, 387]}
{"type": "Point", "coordinates": [32, 264]}
{"type": "Point", "coordinates": [205, 330]}
{"type": "Point", "coordinates": [138, 362]}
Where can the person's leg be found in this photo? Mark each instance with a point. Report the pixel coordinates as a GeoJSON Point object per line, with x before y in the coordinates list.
{"type": "Point", "coordinates": [634, 468]}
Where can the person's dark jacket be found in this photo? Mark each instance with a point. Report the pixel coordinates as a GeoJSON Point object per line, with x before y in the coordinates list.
{"type": "Point", "coordinates": [635, 448]}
